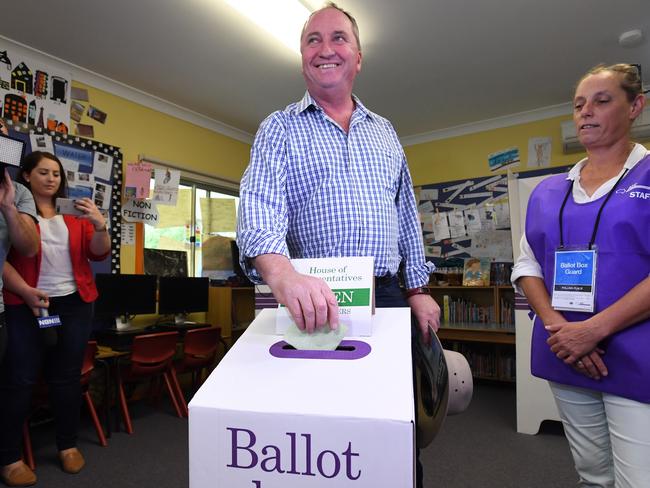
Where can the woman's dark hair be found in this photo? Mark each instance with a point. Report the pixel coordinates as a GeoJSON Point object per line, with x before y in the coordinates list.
{"type": "Point", "coordinates": [30, 162]}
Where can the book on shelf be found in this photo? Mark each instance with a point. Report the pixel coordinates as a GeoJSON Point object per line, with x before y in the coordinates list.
{"type": "Point", "coordinates": [445, 308]}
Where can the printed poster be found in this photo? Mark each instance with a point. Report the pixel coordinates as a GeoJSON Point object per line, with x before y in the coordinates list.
{"type": "Point", "coordinates": [102, 166]}
{"type": "Point", "coordinates": [136, 180]}
{"type": "Point", "coordinates": [165, 191]}
{"type": "Point", "coordinates": [539, 152]}
{"type": "Point", "coordinates": [504, 159]}
{"type": "Point", "coordinates": [440, 226]}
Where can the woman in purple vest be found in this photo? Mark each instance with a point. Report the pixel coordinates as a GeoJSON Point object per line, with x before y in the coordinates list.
{"type": "Point", "coordinates": [585, 270]}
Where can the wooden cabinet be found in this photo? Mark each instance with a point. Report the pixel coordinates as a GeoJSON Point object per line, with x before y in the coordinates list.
{"type": "Point", "coordinates": [231, 307]}
{"type": "Point", "coordinates": [478, 322]}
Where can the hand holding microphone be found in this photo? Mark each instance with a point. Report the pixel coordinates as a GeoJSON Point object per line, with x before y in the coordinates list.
{"type": "Point", "coordinates": [48, 325]}
{"type": "Point", "coordinates": [39, 302]}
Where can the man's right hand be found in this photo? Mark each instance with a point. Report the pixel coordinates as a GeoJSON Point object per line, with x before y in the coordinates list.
{"type": "Point", "coordinates": [309, 300]}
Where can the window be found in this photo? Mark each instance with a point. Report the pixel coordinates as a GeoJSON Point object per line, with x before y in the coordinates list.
{"type": "Point", "coordinates": [193, 237]}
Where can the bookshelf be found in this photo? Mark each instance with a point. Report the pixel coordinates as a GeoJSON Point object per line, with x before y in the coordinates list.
{"type": "Point", "coordinates": [478, 321]}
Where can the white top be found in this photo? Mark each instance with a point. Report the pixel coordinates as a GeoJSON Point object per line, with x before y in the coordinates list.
{"type": "Point", "coordinates": [526, 264]}
{"type": "Point", "coordinates": [55, 277]}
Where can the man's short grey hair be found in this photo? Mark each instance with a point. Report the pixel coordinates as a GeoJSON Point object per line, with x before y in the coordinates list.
{"type": "Point", "coordinates": [353, 21]}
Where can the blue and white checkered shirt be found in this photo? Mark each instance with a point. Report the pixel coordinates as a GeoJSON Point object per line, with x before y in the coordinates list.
{"type": "Point", "coordinates": [311, 190]}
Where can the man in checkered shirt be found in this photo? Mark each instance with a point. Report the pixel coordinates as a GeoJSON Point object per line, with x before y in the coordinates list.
{"type": "Point", "coordinates": [327, 177]}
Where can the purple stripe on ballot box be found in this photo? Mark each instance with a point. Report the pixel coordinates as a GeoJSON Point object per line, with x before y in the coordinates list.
{"type": "Point", "coordinates": [347, 350]}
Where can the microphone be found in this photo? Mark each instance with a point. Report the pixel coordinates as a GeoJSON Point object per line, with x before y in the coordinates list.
{"type": "Point", "coordinates": [48, 323]}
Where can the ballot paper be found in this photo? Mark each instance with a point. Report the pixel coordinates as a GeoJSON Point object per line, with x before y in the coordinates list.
{"type": "Point", "coordinates": [322, 339]}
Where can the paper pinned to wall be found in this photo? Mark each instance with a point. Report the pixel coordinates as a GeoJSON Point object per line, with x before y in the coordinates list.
{"type": "Point", "coordinates": [440, 226]}
{"type": "Point", "coordinates": [473, 220]}
{"type": "Point", "coordinates": [456, 223]}
{"type": "Point", "coordinates": [506, 158]}
{"type": "Point", "coordinates": [177, 215]}
{"type": "Point", "coordinates": [496, 244]}
{"type": "Point", "coordinates": [428, 194]}
{"type": "Point", "coordinates": [218, 215]}
{"type": "Point", "coordinates": [102, 166]}
{"type": "Point", "coordinates": [128, 233]}
{"type": "Point", "coordinates": [426, 207]}
{"type": "Point", "coordinates": [41, 142]}
{"type": "Point", "coordinates": [165, 190]}
{"type": "Point", "coordinates": [539, 152]}
{"type": "Point", "coordinates": [137, 180]}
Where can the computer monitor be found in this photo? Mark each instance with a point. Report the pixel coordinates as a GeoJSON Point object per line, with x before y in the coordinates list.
{"type": "Point", "coordinates": [180, 296]}
{"type": "Point", "coordinates": [123, 295]}
{"type": "Point", "coordinates": [234, 250]}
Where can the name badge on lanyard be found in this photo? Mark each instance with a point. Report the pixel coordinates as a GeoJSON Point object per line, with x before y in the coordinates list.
{"type": "Point", "coordinates": [574, 280]}
{"type": "Point", "coordinates": [574, 273]}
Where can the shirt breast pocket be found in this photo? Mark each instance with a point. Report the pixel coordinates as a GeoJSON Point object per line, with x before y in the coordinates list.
{"type": "Point", "coordinates": [382, 171]}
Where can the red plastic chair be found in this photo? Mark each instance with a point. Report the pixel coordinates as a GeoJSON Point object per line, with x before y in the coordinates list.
{"type": "Point", "coordinates": [86, 371]}
{"type": "Point", "coordinates": [200, 348]}
{"type": "Point", "coordinates": [151, 358]}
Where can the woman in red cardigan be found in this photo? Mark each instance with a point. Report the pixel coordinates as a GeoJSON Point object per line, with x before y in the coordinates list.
{"type": "Point", "coordinates": [58, 278]}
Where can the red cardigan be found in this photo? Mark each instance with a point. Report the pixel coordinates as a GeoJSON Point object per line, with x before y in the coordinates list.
{"type": "Point", "coordinates": [80, 234]}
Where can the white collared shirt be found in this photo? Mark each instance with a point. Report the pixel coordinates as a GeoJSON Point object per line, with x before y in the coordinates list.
{"type": "Point", "coordinates": [526, 264]}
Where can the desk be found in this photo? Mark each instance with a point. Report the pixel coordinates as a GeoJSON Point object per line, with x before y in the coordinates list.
{"type": "Point", "coordinates": [231, 307]}
{"type": "Point", "coordinates": [122, 339]}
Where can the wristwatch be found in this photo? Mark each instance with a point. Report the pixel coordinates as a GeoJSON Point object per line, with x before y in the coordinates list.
{"type": "Point", "coordinates": [420, 290]}
{"type": "Point", "coordinates": [102, 229]}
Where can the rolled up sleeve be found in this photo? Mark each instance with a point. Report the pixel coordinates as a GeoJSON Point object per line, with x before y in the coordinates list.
{"type": "Point", "coordinates": [263, 218]}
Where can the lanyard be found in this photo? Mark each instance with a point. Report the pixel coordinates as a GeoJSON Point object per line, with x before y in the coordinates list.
{"type": "Point", "coordinates": [600, 211]}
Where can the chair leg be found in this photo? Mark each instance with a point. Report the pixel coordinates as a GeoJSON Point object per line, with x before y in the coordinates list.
{"type": "Point", "coordinates": [172, 395]}
{"type": "Point", "coordinates": [96, 423]}
{"type": "Point", "coordinates": [125, 409]}
{"type": "Point", "coordinates": [28, 453]}
{"type": "Point", "coordinates": [179, 393]}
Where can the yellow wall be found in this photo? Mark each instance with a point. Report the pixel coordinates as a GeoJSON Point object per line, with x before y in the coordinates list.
{"type": "Point", "coordinates": [466, 156]}
{"type": "Point", "coordinates": [140, 130]}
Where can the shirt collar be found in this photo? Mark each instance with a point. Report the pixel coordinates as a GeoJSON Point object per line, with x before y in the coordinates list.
{"type": "Point", "coordinates": [637, 154]}
{"type": "Point", "coordinates": [308, 101]}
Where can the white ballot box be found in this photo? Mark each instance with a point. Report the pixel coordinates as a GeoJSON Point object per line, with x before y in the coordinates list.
{"type": "Point", "coordinates": [272, 417]}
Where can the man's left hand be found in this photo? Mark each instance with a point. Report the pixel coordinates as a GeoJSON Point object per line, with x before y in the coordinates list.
{"type": "Point", "coordinates": [427, 313]}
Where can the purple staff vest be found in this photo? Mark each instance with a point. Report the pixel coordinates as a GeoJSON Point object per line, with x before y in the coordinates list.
{"type": "Point", "coordinates": [623, 246]}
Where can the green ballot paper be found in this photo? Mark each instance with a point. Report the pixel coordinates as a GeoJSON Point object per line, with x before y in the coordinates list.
{"type": "Point", "coordinates": [323, 339]}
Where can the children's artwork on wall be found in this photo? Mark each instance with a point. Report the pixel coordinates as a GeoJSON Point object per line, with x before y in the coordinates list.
{"type": "Point", "coordinates": [32, 93]}
{"type": "Point", "coordinates": [468, 218]}
{"type": "Point", "coordinates": [165, 190]}
{"type": "Point", "coordinates": [539, 152]}
{"type": "Point", "coordinates": [137, 180]}
{"type": "Point", "coordinates": [455, 214]}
